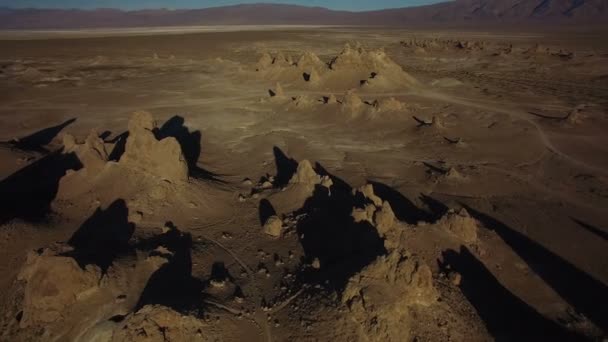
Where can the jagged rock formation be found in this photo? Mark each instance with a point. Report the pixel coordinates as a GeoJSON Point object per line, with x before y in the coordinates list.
{"type": "Point", "coordinates": [353, 67]}
{"type": "Point", "coordinates": [351, 102]}
{"type": "Point", "coordinates": [309, 62]}
{"type": "Point", "coordinates": [278, 91]}
{"type": "Point", "coordinates": [306, 175]}
{"type": "Point", "coordinates": [460, 224]}
{"type": "Point", "coordinates": [92, 153]}
{"type": "Point", "coordinates": [264, 62]}
{"type": "Point", "coordinates": [301, 101]}
{"type": "Point", "coordinates": [389, 104]}
{"type": "Point", "coordinates": [351, 105]}
{"type": "Point", "coordinates": [60, 295]}
{"type": "Point", "coordinates": [159, 323]}
{"type": "Point", "coordinates": [301, 186]}
{"type": "Point", "coordinates": [331, 99]}
{"type": "Point", "coordinates": [377, 212]}
{"type": "Point", "coordinates": [146, 154]}
{"type": "Point", "coordinates": [149, 171]}
{"type": "Point", "coordinates": [379, 297]}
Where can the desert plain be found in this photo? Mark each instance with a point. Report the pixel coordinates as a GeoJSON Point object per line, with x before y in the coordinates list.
{"type": "Point", "coordinates": [304, 184]}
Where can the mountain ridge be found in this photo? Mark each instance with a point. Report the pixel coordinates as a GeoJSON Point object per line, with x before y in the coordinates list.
{"type": "Point", "coordinates": [454, 13]}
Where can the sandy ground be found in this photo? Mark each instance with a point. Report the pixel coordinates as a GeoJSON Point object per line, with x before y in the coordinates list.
{"type": "Point", "coordinates": [510, 126]}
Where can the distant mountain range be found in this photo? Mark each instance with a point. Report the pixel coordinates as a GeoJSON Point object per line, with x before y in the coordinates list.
{"type": "Point", "coordinates": [453, 13]}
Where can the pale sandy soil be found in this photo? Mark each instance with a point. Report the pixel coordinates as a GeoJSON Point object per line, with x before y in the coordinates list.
{"type": "Point", "coordinates": [518, 139]}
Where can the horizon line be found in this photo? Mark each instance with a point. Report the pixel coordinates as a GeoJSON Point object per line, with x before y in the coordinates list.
{"type": "Point", "coordinates": [213, 6]}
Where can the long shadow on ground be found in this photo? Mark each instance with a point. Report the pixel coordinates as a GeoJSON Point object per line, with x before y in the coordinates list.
{"type": "Point", "coordinates": [578, 288]}
{"type": "Point", "coordinates": [405, 210]}
{"type": "Point", "coordinates": [285, 166]}
{"type": "Point", "coordinates": [190, 143]}
{"type": "Point", "coordinates": [37, 141]}
{"type": "Point", "coordinates": [103, 237]}
{"type": "Point", "coordinates": [601, 233]}
{"type": "Point", "coordinates": [173, 284]}
{"type": "Point", "coordinates": [506, 317]}
{"type": "Point", "coordinates": [28, 193]}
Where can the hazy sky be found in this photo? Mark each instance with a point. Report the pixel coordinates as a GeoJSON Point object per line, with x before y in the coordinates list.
{"type": "Point", "coordinates": [353, 5]}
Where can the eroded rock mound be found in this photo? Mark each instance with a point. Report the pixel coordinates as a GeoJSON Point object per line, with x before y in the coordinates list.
{"type": "Point", "coordinates": [264, 62]}
{"type": "Point", "coordinates": [92, 153]}
{"type": "Point", "coordinates": [148, 170]}
{"type": "Point", "coordinates": [146, 154]}
{"type": "Point", "coordinates": [353, 67]}
{"type": "Point", "coordinates": [352, 103]}
{"type": "Point", "coordinates": [373, 67]}
{"type": "Point", "coordinates": [54, 283]}
{"type": "Point", "coordinates": [461, 224]}
{"type": "Point", "coordinates": [310, 61]}
{"type": "Point", "coordinates": [301, 186]}
{"type": "Point", "coordinates": [278, 91]}
{"type": "Point", "coordinates": [377, 212]}
{"type": "Point", "coordinates": [306, 175]}
{"type": "Point", "coordinates": [379, 297]}
{"type": "Point", "coordinates": [302, 101]}
{"type": "Point", "coordinates": [68, 299]}
{"type": "Point", "coordinates": [158, 323]}
{"type": "Point", "coordinates": [390, 105]}
{"type": "Point", "coordinates": [273, 227]}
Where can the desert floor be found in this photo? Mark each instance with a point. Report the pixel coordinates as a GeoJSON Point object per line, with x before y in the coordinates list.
{"type": "Point", "coordinates": [102, 235]}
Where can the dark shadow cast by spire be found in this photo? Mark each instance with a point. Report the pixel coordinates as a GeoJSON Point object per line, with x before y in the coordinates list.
{"type": "Point", "coordinates": [506, 316]}
{"type": "Point", "coordinates": [190, 143]}
{"type": "Point", "coordinates": [601, 233]}
{"type": "Point", "coordinates": [338, 183]}
{"type": "Point", "coordinates": [219, 272]}
{"type": "Point", "coordinates": [173, 284]}
{"type": "Point", "coordinates": [265, 211]}
{"type": "Point", "coordinates": [286, 167]}
{"type": "Point", "coordinates": [120, 142]}
{"type": "Point", "coordinates": [329, 233]}
{"type": "Point", "coordinates": [405, 210]}
{"type": "Point", "coordinates": [437, 209]}
{"type": "Point", "coordinates": [28, 193]}
{"type": "Point", "coordinates": [103, 236]}
{"type": "Point", "coordinates": [105, 135]}
{"type": "Point", "coordinates": [578, 288]}
{"type": "Point", "coordinates": [37, 141]}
